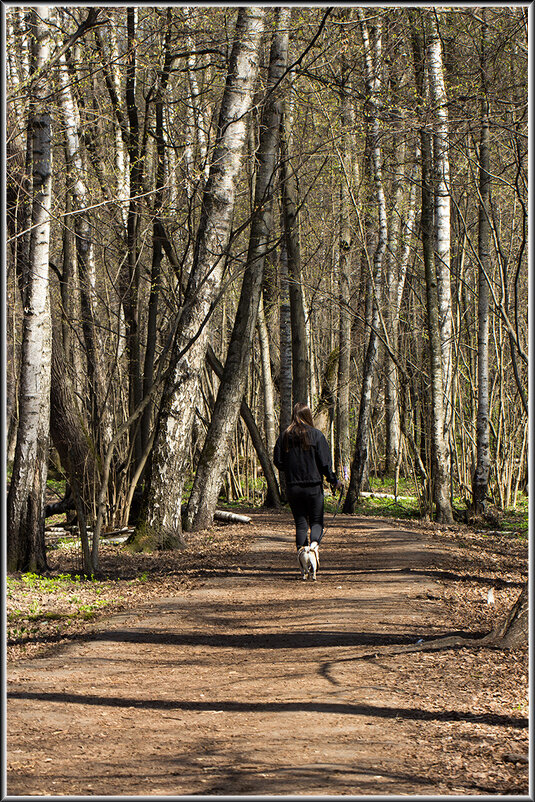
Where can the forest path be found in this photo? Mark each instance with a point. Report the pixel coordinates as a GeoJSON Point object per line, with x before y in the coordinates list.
{"type": "Point", "coordinates": [247, 684]}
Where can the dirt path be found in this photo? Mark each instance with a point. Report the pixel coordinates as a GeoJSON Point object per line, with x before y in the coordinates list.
{"type": "Point", "coordinates": [249, 684]}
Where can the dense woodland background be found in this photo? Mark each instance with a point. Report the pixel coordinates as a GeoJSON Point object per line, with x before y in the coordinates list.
{"type": "Point", "coordinates": [215, 212]}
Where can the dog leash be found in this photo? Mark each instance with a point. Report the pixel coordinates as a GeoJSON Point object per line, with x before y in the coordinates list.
{"type": "Point", "coordinates": [335, 514]}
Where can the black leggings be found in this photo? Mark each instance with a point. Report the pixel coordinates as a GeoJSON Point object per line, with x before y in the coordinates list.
{"type": "Point", "coordinates": [306, 504]}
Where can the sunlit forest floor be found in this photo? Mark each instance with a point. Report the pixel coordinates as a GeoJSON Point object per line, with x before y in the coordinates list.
{"type": "Point", "coordinates": [216, 670]}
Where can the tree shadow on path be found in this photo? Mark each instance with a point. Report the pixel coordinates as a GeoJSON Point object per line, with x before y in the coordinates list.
{"type": "Point", "coordinates": [275, 707]}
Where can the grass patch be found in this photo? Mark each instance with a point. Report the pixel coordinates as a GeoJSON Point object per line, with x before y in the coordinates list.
{"type": "Point", "coordinates": [516, 519]}
{"type": "Point", "coordinates": [222, 504]}
{"type": "Point", "coordinates": [377, 507]}
{"type": "Point", "coordinates": [41, 607]}
{"type": "Point", "coordinates": [386, 484]}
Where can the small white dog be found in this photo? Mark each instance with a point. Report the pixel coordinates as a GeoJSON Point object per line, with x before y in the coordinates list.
{"type": "Point", "coordinates": [308, 558]}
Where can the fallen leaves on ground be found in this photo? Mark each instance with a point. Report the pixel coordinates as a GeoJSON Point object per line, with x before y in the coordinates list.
{"type": "Point", "coordinates": [462, 711]}
{"type": "Point", "coordinates": [44, 612]}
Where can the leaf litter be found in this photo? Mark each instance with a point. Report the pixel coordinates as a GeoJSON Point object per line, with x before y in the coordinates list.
{"type": "Point", "coordinates": [462, 711]}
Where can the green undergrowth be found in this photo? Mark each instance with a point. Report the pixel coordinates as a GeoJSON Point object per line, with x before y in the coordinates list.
{"type": "Point", "coordinates": [40, 607]}
{"type": "Point", "coordinates": [375, 506]}
{"type": "Point", "coordinates": [386, 484]}
{"type": "Point", "coordinates": [56, 485]}
{"type": "Point", "coordinates": [512, 521]}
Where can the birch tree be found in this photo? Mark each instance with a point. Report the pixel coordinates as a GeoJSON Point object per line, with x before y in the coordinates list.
{"type": "Point", "coordinates": [440, 474]}
{"type": "Point", "coordinates": [285, 343]}
{"type": "Point", "coordinates": [25, 503]}
{"type": "Point", "coordinates": [158, 234]}
{"type": "Point", "coordinates": [214, 457]}
{"type": "Point", "coordinates": [267, 380]}
{"type": "Point", "coordinates": [130, 272]}
{"type": "Point", "coordinates": [392, 423]}
{"type": "Point", "coordinates": [442, 211]}
{"type": "Point", "coordinates": [343, 443]}
{"type": "Point", "coordinates": [481, 474]}
{"type": "Point", "coordinates": [290, 222]}
{"type": "Point", "coordinates": [359, 464]}
{"type": "Point", "coordinates": [161, 519]}
{"type": "Point", "coordinates": [84, 259]}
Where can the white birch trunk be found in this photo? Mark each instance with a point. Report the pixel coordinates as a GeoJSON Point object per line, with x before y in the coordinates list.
{"type": "Point", "coordinates": [408, 233]}
{"type": "Point", "coordinates": [359, 465]}
{"type": "Point", "coordinates": [25, 506]}
{"type": "Point", "coordinates": [343, 443]}
{"type": "Point", "coordinates": [312, 361]}
{"type": "Point", "coordinates": [85, 256]}
{"type": "Point", "coordinates": [214, 457]}
{"type": "Point", "coordinates": [403, 249]}
{"type": "Point", "coordinates": [480, 478]}
{"type": "Point", "coordinates": [120, 153]}
{"type": "Point", "coordinates": [440, 474]}
{"type": "Point", "coordinates": [171, 448]}
{"type": "Point", "coordinates": [196, 124]}
{"type": "Point", "coordinates": [16, 105]}
{"type": "Point", "coordinates": [285, 339]}
{"type": "Point", "coordinates": [189, 151]}
{"type": "Point", "coordinates": [267, 380]}
{"type": "Point", "coordinates": [392, 421]}
{"type": "Point", "coordinates": [201, 125]}
{"type": "Point", "coordinates": [19, 190]}
{"type": "Point", "coordinates": [291, 227]}
{"type": "Point", "coordinates": [442, 214]}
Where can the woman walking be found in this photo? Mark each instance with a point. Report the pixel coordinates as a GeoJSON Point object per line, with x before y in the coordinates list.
{"type": "Point", "coordinates": [303, 454]}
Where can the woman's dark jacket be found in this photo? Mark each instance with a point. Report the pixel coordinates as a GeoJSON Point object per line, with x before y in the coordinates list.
{"type": "Point", "coordinates": [304, 466]}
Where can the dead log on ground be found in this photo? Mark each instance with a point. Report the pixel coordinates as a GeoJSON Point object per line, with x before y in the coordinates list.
{"type": "Point", "coordinates": [231, 517]}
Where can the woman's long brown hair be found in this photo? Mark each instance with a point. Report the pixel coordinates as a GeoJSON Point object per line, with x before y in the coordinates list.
{"type": "Point", "coordinates": [301, 419]}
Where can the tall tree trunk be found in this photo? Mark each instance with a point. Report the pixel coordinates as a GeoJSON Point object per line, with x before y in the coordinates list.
{"type": "Point", "coordinates": [71, 442]}
{"type": "Point", "coordinates": [400, 252]}
{"type": "Point", "coordinates": [120, 151]}
{"type": "Point", "coordinates": [69, 284]}
{"type": "Point", "coordinates": [129, 275]}
{"type": "Point", "coordinates": [440, 474]}
{"type": "Point", "coordinates": [285, 340]}
{"type": "Point", "coordinates": [441, 181]}
{"type": "Point", "coordinates": [480, 478]}
{"type": "Point", "coordinates": [290, 218]}
{"type": "Point", "coordinates": [391, 312]}
{"type": "Point", "coordinates": [200, 124]}
{"type": "Point", "coordinates": [18, 217]}
{"type": "Point", "coordinates": [441, 190]}
{"type": "Point", "coordinates": [359, 465]}
{"type": "Point", "coordinates": [285, 335]}
{"type": "Point", "coordinates": [18, 149]}
{"type": "Point", "coordinates": [25, 503]}
{"type": "Point", "coordinates": [325, 408]}
{"type": "Point", "coordinates": [158, 235]}
{"type": "Point", "coordinates": [99, 413]}
{"type": "Point", "coordinates": [112, 78]}
{"type": "Point", "coordinates": [342, 442]}
{"type": "Point", "coordinates": [214, 458]}
{"type": "Point", "coordinates": [267, 380]}
{"type": "Point", "coordinates": [163, 497]}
